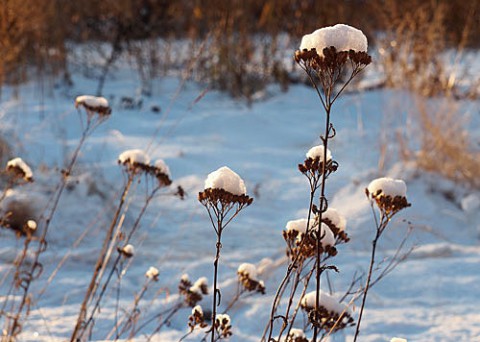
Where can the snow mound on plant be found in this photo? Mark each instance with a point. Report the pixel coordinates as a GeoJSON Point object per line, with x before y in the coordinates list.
{"type": "Point", "coordinates": [248, 269]}
{"type": "Point", "coordinates": [337, 219]}
{"type": "Point", "coordinates": [135, 156]}
{"type": "Point", "coordinates": [161, 166]}
{"type": "Point", "coordinates": [326, 301]}
{"type": "Point", "coordinates": [318, 152]}
{"type": "Point", "coordinates": [341, 36]}
{"type": "Point", "coordinates": [224, 178]}
{"type": "Point", "coordinates": [300, 225]}
{"type": "Point", "coordinates": [20, 164]}
{"type": "Point", "coordinates": [388, 187]}
{"type": "Point", "coordinates": [92, 101]}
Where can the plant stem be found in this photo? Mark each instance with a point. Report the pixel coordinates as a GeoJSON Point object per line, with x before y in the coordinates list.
{"type": "Point", "coordinates": [215, 276]}
{"type": "Point", "coordinates": [367, 285]}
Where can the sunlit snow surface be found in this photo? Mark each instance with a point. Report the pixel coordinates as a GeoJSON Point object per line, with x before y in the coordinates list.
{"type": "Point", "coordinates": [433, 296]}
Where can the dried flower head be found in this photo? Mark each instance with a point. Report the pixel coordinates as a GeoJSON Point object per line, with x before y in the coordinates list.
{"type": "Point", "coordinates": [224, 187]}
{"type": "Point", "coordinates": [296, 335]}
{"type": "Point", "coordinates": [19, 169]}
{"type": "Point", "coordinates": [197, 318]}
{"type": "Point", "coordinates": [337, 224]}
{"type": "Point", "coordinates": [389, 194]}
{"type": "Point", "coordinates": [301, 238]}
{"type": "Point", "coordinates": [331, 314]}
{"type": "Point", "coordinates": [193, 293]}
{"type": "Point", "coordinates": [127, 251]}
{"type": "Point", "coordinates": [313, 164]}
{"type": "Point", "coordinates": [247, 276]}
{"type": "Point", "coordinates": [135, 161]}
{"type": "Point", "coordinates": [223, 326]}
{"type": "Point", "coordinates": [93, 104]}
{"type": "Point", "coordinates": [152, 273]}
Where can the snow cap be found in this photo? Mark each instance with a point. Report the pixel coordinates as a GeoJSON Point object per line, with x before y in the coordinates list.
{"type": "Point", "coordinates": [162, 167]}
{"type": "Point", "coordinates": [18, 163]}
{"type": "Point", "coordinates": [152, 273]}
{"type": "Point", "coordinates": [224, 178]}
{"type": "Point", "coordinates": [249, 270]}
{"type": "Point", "coordinates": [398, 339]}
{"type": "Point", "coordinates": [135, 156]}
{"type": "Point", "coordinates": [300, 226]}
{"type": "Point", "coordinates": [387, 187]}
{"type": "Point", "coordinates": [91, 101]}
{"type": "Point", "coordinates": [326, 301]}
{"type": "Point", "coordinates": [197, 309]}
{"type": "Point", "coordinates": [341, 36]}
{"type": "Point", "coordinates": [317, 152]}
{"type": "Point", "coordinates": [296, 333]}
{"type": "Point", "coordinates": [337, 219]}
{"type": "Point", "coordinates": [128, 250]}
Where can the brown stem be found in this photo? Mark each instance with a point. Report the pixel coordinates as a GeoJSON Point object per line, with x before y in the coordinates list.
{"type": "Point", "coordinates": [215, 276]}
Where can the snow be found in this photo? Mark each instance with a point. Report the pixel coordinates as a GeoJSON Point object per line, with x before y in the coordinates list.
{"type": "Point", "coordinates": [224, 319]}
{"type": "Point", "coordinates": [341, 36]}
{"type": "Point", "coordinates": [337, 219]}
{"type": "Point", "coordinates": [91, 101]}
{"type": "Point", "coordinates": [152, 272]}
{"type": "Point", "coordinates": [325, 300]}
{"type": "Point", "coordinates": [135, 156]}
{"type": "Point", "coordinates": [161, 166]}
{"type": "Point", "coordinates": [32, 225]}
{"type": "Point", "coordinates": [300, 225]}
{"type": "Point", "coordinates": [20, 164]}
{"type": "Point", "coordinates": [296, 333]}
{"type": "Point", "coordinates": [197, 286]}
{"type": "Point", "coordinates": [436, 284]}
{"type": "Point", "coordinates": [398, 339]}
{"type": "Point", "coordinates": [129, 250]}
{"type": "Point", "coordinates": [386, 186]}
{"type": "Point", "coordinates": [198, 309]}
{"type": "Point", "coordinates": [318, 152]}
{"type": "Point", "coordinates": [224, 178]}
{"type": "Point", "coordinates": [471, 203]}
{"type": "Point", "coordinates": [248, 269]}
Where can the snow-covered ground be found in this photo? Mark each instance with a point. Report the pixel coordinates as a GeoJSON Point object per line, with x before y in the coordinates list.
{"type": "Point", "coordinates": [433, 296]}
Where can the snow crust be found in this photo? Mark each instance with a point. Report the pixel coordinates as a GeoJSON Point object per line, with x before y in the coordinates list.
{"type": "Point", "coordinates": [224, 178]}
{"type": "Point", "coordinates": [248, 269]}
{"type": "Point", "coordinates": [317, 152]}
{"type": "Point", "coordinates": [19, 163]}
{"type": "Point", "coordinates": [341, 36]}
{"type": "Point", "coordinates": [300, 226]}
{"type": "Point", "coordinates": [92, 101]}
{"type": "Point", "coordinates": [337, 219]}
{"type": "Point", "coordinates": [152, 272]}
{"type": "Point", "coordinates": [161, 166]}
{"type": "Point", "coordinates": [388, 186]}
{"type": "Point", "coordinates": [325, 300]}
{"type": "Point", "coordinates": [136, 156]}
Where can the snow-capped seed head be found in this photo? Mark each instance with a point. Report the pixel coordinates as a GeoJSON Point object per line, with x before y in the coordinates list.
{"type": "Point", "coordinates": [185, 278]}
{"type": "Point", "coordinates": [200, 286]}
{"type": "Point", "coordinates": [31, 225]}
{"type": "Point", "coordinates": [162, 167]}
{"type": "Point", "coordinates": [226, 187]}
{"type": "Point", "coordinates": [20, 169]}
{"type": "Point", "coordinates": [134, 157]}
{"type": "Point", "coordinates": [387, 187]}
{"type": "Point", "coordinates": [389, 194]}
{"type": "Point", "coordinates": [93, 104]}
{"type": "Point", "coordinates": [197, 310]}
{"type": "Point", "coordinates": [398, 339]}
{"type": "Point", "coordinates": [296, 334]}
{"type": "Point", "coordinates": [340, 36]}
{"type": "Point", "coordinates": [318, 152]}
{"type": "Point", "coordinates": [226, 179]}
{"type": "Point", "coordinates": [300, 225]}
{"type": "Point", "coordinates": [128, 250]}
{"type": "Point", "coordinates": [223, 319]}
{"type": "Point", "coordinates": [331, 314]}
{"type": "Point", "coordinates": [152, 273]}
{"type": "Point", "coordinates": [335, 218]}
{"type": "Point", "coordinates": [248, 270]}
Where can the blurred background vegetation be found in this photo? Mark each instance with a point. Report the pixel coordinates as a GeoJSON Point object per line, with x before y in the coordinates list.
{"type": "Point", "coordinates": [237, 46]}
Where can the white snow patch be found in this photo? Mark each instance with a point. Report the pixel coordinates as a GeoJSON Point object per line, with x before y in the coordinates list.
{"type": "Point", "coordinates": [398, 339]}
{"type": "Point", "coordinates": [161, 166]}
{"type": "Point", "coordinates": [387, 187]}
{"type": "Point", "coordinates": [152, 272]}
{"type": "Point", "coordinates": [325, 300]}
{"type": "Point", "coordinates": [318, 152]}
{"type": "Point", "coordinates": [337, 219]}
{"type": "Point", "coordinates": [300, 226]}
{"type": "Point", "coordinates": [197, 309]}
{"type": "Point", "coordinates": [129, 249]}
{"type": "Point", "coordinates": [224, 178]}
{"type": "Point", "coordinates": [341, 36]}
{"type": "Point", "coordinates": [197, 286]}
{"type": "Point", "coordinates": [91, 101]}
{"type": "Point", "coordinates": [135, 156]}
{"type": "Point", "coordinates": [470, 203]}
{"type": "Point", "coordinates": [20, 164]}
{"type": "Point", "coordinates": [248, 269]}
